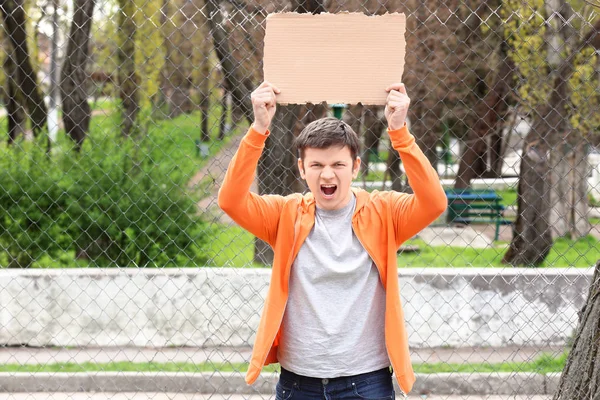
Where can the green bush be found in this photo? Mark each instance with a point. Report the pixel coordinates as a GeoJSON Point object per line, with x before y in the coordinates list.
{"type": "Point", "coordinates": [102, 205]}
{"type": "Point", "coordinates": [32, 204]}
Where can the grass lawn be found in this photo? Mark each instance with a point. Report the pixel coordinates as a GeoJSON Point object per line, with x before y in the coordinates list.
{"type": "Point", "coordinates": [231, 247]}
{"type": "Point", "coordinates": [542, 365]}
{"type": "Point", "coordinates": [234, 247]}
{"type": "Point", "coordinates": [509, 197]}
{"type": "Point", "coordinates": [565, 253]}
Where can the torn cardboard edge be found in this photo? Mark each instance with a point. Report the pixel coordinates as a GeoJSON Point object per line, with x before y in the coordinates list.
{"type": "Point", "coordinates": [346, 58]}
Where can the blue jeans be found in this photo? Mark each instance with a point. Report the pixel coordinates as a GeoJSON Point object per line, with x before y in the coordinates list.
{"type": "Point", "coordinates": [376, 385]}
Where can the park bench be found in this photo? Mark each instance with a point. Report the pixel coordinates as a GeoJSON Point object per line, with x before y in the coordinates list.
{"type": "Point", "coordinates": [468, 206]}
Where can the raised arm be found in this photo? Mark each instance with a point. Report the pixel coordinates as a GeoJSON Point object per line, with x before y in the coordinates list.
{"type": "Point", "coordinates": [257, 214]}
{"type": "Point", "coordinates": [412, 212]}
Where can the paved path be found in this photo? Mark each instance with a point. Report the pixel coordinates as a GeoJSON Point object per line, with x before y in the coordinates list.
{"type": "Point", "coordinates": [210, 177]}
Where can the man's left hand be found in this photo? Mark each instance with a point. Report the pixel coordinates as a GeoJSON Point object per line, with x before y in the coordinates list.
{"type": "Point", "coordinates": [396, 106]}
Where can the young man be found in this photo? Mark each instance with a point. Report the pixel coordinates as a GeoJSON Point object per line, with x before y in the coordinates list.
{"type": "Point", "coordinates": [333, 317]}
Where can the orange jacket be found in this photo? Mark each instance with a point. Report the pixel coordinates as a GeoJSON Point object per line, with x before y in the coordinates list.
{"type": "Point", "coordinates": [382, 221]}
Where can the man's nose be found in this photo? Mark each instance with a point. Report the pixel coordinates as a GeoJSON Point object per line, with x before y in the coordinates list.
{"type": "Point", "coordinates": [327, 173]}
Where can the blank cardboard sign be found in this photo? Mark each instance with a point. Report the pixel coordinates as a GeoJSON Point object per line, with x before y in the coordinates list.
{"type": "Point", "coordinates": [337, 58]}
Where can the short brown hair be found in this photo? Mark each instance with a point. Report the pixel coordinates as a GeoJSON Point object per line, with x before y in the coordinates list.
{"type": "Point", "coordinates": [327, 132]}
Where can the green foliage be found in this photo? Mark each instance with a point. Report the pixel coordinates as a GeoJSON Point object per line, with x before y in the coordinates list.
{"type": "Point", "coordinates": [103, 205]}
{"type": "Point", "coordinates": [584, 92]}
{"type": "Point", "coordinates": [32, 205]}
{"type": "Point", "coordinates": [524, 28]}
{"type": "Point", "coordinates": [149, 57]}
{"type": "Point", "coordinates": [130, 214]}
{"type": "Point", "coordinates": [526, 31]}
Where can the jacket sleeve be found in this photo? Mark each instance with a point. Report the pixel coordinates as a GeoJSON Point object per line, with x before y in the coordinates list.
{"type": "Point", "coordinates": [259, 215]}
{"type": "Point", "coordinates": [413, 212]}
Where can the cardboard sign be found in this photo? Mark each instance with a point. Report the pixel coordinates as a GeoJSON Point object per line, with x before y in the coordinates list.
{"type": "Point", "coordinates": [337, 58]}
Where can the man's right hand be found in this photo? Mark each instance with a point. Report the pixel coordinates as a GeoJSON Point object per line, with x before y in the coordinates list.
{"type": "Point", "coordinates": [263, 106]}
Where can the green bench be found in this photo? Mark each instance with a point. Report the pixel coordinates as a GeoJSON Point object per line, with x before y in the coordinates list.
{"type": "Point", "coordinates": [468, 206]}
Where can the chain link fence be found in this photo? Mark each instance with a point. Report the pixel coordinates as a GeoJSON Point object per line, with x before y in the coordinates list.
{"type": "Point", "coordinates": [121, 274]}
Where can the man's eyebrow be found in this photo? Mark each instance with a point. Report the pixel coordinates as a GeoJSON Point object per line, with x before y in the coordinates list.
{"type": "Point", "coordinates": [312, 162]}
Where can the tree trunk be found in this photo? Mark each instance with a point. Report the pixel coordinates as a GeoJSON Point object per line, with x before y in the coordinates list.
{"type": "Point", "coordinates": [393, 169]}
{"type": "Point", "coordinates": [128, 79]}
{"type": "Point", "coordinates": [13, 13]}
{"type": "Point", "coordinates": [580, 379]}
{"type": "Point", "coordinates": [231, 73]}
{"type": "Point", "coordinates": [568, 198]}
{"type": "Point", "coordinates": [15, 113]}
{"type": "Point", "coordinates": [224, 110]}
{"type": "Point", "coordinates": [76, 110]}
{"type": "Point", "coordinates": [353, 116]}
{"type": "Point", "coordinates": [204, 91]}
{"type": "Point", "coordinates": [568, 191]}
{"type": "Point", "coordinates": [532, 237]}
{"type": "Point", "coordinates": [579, 225]}
{"type": "Point", "coordinates": [472, 161]}
{"type": "Point", "coordinates": [187, 40]}
{"type": "Point", "coordinates": [373, 127]}
{"type": "Point", "coordinates": [204, 104]}
{"type": "Point", "coordinates": [496, 149]}
{"type": "Point", "coordinates": [491, 113]}
{"type": "Point", "coordinates": [560, 192]}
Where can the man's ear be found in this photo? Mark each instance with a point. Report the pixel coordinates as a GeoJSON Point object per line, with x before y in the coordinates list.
{"type": "Point", "coordinates": [356, 167]}
{"type": "Point", "coordinates": [301, 169]}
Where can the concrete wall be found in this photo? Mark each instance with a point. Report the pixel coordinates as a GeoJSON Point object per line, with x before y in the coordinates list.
{"type": "Point", "coordinates": [214, 307]}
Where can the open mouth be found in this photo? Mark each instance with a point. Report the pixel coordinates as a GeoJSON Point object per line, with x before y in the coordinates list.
{"type": "Point", "coordinates": [328, 190]}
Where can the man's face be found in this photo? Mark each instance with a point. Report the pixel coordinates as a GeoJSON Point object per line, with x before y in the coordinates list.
{"type": "Point", "coordinates": [329, 173]}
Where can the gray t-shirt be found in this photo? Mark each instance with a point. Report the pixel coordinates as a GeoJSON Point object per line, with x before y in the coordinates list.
{"type": "Point", "coordinates": [334, 319]}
